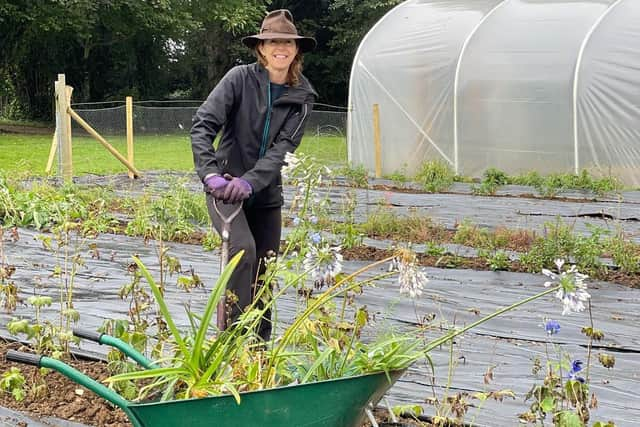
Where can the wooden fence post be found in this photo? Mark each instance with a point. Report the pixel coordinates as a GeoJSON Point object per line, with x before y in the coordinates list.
{"type": "Point", "coordinates": [63, 127]}
{"type": "Point", "coordinates": [376, 140]}
{"type": "Point", "coordinates": [129, 110]}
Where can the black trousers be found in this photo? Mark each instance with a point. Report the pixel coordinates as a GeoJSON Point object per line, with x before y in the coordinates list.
{"type": "Point", "coordinates": [256, 231]}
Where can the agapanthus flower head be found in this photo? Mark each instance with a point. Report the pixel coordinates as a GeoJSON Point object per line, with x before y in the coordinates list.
{"type": "Point", "coordinates": [315, 238]}
{"type": "Point", "coordinates": [576, 366]}
{"type": "Point", "coordinates": [323, 263]}
{"type": "Point", "coordinates": [572, 291]}
{"type": "Point", "coordinates": [552, 327]}
{"type": "Point", "coordinates": [402, 256]}
{"type": "Point", "coordinates": [291, 164]}
{"type": "Point", "coordinates": [411, 278]}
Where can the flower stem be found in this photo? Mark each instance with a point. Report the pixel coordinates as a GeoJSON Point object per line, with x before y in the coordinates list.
{"type": "Point", "coordinates": [590, 346]}
{"type": "Point", "coordinates": [436, 343]}
{"type": "Point", "coordinates": [323, 298]}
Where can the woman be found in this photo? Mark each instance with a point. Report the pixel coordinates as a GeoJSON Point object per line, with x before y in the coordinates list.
{"type": "Point", "coordinates": [262, 109]}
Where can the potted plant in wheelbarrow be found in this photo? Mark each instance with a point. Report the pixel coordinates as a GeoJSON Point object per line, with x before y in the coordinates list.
{"type": "Point", "coordinates": [317, 373]}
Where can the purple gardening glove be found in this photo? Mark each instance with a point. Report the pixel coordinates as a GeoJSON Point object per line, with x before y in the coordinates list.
{"type": "Point", "coordinates": [216, 186]}
{"type": "Point", "coordinates": [237, 190]}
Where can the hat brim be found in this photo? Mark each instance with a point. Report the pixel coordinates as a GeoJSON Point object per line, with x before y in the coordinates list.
{"type": "Point", "coordinates": [306, 44]}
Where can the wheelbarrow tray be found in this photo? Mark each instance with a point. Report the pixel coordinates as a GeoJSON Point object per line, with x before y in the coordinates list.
{"type": "Point", "coordinates": [334, 403]}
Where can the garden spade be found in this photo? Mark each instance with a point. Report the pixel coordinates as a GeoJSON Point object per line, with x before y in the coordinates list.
{"type": "Point", "coordinates": [224, 258]}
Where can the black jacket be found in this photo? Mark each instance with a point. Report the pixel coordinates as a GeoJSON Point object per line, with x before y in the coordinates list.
{"type": "Point", "coordinates": [239, 102]}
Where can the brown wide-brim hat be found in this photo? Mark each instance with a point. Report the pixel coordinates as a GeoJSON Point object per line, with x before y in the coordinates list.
{"type": "Point", "coordinates": [279, 25]}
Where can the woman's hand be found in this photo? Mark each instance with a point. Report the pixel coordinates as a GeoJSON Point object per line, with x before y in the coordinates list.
{"type": "Point", "coordinates": [237, 190]}
{"type": "Point", "coordinates": [216, 185]}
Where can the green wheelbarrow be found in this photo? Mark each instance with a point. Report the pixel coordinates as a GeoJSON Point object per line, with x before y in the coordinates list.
{"type": "Point", "coordinates": [334, 403]}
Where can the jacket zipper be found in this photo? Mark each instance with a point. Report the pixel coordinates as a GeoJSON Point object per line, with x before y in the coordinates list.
{"type": "Point", "coordinates": [267, 123]}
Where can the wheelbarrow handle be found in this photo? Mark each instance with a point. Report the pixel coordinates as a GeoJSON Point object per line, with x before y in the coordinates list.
{"type": "Point", "coordinates": [88, 334]}
{"type": "Point", "coordinates": [71, 373]}
{"type": "Point", "coordinates": [25, 358]}
{"type": "Point", "coordinates": [105, 339]}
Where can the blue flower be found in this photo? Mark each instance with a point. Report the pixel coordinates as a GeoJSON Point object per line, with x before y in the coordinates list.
{"type": "Point", "coordinates": [552, 327]}
{"type": "Point", "coordinates": [315, 238]}
{"type": "Point", "coordinates": [576, 366]}
{"type": "Point", "coordinates": [313, 219]}
{"type": "Point", "coordinates": [296, 221]}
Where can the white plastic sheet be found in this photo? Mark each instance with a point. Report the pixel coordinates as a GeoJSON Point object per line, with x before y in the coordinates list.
{"type": "Point", "coordinates": [519, 85]}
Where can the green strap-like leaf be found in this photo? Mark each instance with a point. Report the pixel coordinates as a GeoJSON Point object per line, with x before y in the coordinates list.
{"type": "Point", "coordinates": [319, 361]}
{"type": "Point", "coordinates": [214, 298]}
{"type": "Point", "coordinates": [149, 373]}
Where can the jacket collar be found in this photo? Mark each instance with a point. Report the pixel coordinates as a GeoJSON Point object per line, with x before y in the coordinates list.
{"type": "Point", "coordinates": [294, 94]}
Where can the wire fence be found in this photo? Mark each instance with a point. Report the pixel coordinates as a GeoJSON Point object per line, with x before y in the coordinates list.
{"type": "Point", "coordinates": [174, 117]}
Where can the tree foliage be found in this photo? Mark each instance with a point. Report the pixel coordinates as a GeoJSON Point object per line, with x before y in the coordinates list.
{"type": "Point", "coordinates": [160, 48]}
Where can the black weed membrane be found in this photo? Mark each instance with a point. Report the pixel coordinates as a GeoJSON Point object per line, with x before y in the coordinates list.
{"type": "Point", "coordinates": [497, 355]}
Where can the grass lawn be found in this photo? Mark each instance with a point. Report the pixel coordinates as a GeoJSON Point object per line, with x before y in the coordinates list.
{"type": "Point", "coordinates": [29, 153]}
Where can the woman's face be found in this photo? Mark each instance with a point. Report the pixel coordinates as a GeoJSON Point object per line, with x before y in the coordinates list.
{"type": "Point", "coordinates": [279, 53]}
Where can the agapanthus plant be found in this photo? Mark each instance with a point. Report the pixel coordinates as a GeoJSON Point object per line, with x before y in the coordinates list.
{"type": "Point", "coordinates": [572, 290]}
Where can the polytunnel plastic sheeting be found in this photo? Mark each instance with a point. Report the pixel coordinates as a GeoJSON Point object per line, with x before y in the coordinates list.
{"type": "Point", "coordinates": [608, 102]}
{"type": "Point", "coordinates": [406, 67]}
{"type": "Point", "coordinates": [519, 85]}
{"type": "Point", "coordinates": [516, 87]}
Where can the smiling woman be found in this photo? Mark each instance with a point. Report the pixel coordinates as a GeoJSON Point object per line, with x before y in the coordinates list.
{"type": "Point", "coordinates": [261, 110]}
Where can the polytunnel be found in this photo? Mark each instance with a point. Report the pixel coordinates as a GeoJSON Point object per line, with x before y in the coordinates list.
{"type": "Point", "coordinates": [551, 86]}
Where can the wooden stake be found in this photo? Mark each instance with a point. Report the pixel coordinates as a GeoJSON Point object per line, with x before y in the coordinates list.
{"type": "Point", "coordinates": [129, 110]}
{"type": "Point", "coordinates": [52, 152]}
{"type": "Point", "coordinates": [63, 128]}
{"type": "Point", "coordinates": [376, 139]}
{"type": "Point", "coordinates": [104, 142]}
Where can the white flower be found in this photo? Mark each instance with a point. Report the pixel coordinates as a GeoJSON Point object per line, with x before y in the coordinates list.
{"type": "Point", "coordinates": [573, 290]}
{"type": "Point", "coordinates": [411, 279]}
{"type": "Point", "coordinates": [323, 263]}
{"type": "Point", "coordinates": [292, 162]}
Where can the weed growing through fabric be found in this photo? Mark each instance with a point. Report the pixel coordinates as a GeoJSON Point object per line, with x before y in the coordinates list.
{"type": "Point", "coordinates": [175, 212]}
{"type": "Point", "coordinates": [625, 253]}
{"type": "Point", "coordinates": [551, 185]}
{"type": "Point", "coordinates": [356, 176]}
{"type": "Point", "coordinates": [491, 179]}
{"type": "Point", "coordinates": [211, 240]}
{"type": "Point", "coordinates": [497, 260]}
{"type": "Point", "coordinates": [399, 177]}
{"type": "Point", "coordinates": [51, 338]}
{"type": "Point", "coordinates": [383, 223]}
{"type": "Point", "coordinates": [8, 287]}
{"type": "Point", "coordinates": [434, 249]}
{"type": "Point", "coordinates": [435, 176]}
{"type": "Point", "coordinates": [470, 234]}
{"type": "Point", "coordinates": [559, 241]}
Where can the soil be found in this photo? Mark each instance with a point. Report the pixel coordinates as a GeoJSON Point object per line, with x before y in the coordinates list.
{"type": "Point", "coordinates": [64, 399]}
